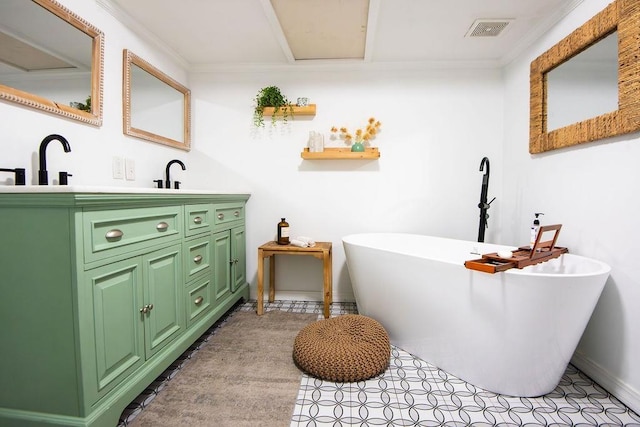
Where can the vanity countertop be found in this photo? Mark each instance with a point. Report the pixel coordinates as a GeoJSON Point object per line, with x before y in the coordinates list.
{"type": "Point", "coordinates": [90, 189]}
{"type": "Point", "coordinates": [80, 196]}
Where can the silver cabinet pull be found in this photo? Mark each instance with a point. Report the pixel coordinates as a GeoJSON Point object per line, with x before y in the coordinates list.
{"type": "Point", "coordinates": [162, 226]}
{"type": "Point", "coordinates": [236, 214]}
{"type": "Point", "coordinates": [147, 308]}
{"type": "Point", "coordinates": [197, 259]}
{"type": "Point", "coordinates": [114, 234]}
{"type": "Point", "coordinates": [198, 301]}
{"type": "Point", "coordinates": [220, 216]}
{"type": "Point", "coordinates": [197, 220]}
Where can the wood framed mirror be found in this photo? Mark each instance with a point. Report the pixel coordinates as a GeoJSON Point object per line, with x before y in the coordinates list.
{"type": "Point", "coordinates": [156, 107]}
{"type": "Point", "coordinates": [620, 18]}
{"type": "Point", "coordinates": [51, 60]}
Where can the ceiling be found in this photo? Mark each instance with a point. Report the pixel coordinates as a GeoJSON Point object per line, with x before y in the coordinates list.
{"type": "Point", "coordinates": [209, 34]}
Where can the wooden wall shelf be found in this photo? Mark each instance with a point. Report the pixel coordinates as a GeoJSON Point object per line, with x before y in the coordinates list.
{"type": "Point", "coordinates": [307, 110]}
{"type": "Point", "coordinates": [339, 153]}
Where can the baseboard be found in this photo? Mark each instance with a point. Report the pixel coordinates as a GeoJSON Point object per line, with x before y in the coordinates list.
{"type": "Point", "coordinates": [618, 388]}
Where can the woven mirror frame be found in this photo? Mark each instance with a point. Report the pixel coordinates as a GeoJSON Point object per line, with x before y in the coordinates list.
{"type": "Point", "coordinates": [622, 16]}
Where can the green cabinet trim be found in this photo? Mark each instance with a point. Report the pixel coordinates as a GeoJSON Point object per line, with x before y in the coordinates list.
{"type": "Point", "coordinates": [92, 326]}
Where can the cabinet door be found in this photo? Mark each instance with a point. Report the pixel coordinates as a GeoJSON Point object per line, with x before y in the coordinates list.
{"type": "Point", "coordinates": [239, 258]}
{"type": "Point", "coordinates": [163, 308]}
{"type": "Point", "coordinates": [117, 325]}
{"type": "Point", "coordinates": [221, 264]}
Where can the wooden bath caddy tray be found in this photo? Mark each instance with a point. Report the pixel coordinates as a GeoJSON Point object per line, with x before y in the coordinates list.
{"type": "Point", "coordinates": [542, 251]}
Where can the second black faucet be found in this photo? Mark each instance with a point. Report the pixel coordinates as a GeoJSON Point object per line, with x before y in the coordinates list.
{"type": "Point", "coordinates": [167, 181]}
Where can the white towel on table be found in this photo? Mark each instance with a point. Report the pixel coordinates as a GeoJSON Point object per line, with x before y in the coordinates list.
{"type": "Point", "coordinates": [303, 242]}
{"type": "Point", "coordinates": [307, 240]}
{"type": "Point", "coordinates": [300, 243]}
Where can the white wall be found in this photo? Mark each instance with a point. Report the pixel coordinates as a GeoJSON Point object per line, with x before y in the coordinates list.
{"type": "Point", "coordinates": [92, 148]}
{"type": "Point", "coordinates": [593, 191]}
{"type": "Point", "coordinates": [436, 127]}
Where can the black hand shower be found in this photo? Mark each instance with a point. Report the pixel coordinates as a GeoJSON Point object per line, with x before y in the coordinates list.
{"type": "Point", "coordinates": [483, 205]}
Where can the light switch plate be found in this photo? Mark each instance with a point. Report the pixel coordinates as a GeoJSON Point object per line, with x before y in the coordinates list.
{"type": "Point", "coordinates": [130, 169]}
{"type": "Point", "coordinates": [118, 168]}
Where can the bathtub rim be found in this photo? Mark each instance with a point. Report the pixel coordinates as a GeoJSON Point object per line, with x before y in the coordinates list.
{"type": "Point", "coordinates": [602, 267]}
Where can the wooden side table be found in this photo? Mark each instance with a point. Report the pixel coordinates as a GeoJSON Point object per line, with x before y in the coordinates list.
{"type": "Point", "coordinates": [322, 250]}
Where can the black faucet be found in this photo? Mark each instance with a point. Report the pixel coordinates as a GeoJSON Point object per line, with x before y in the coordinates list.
{"type": "Point", "coordinates": [167, 179]}
{"type": "Point", "coordinates": [20, 175]}
{"type": "Point", "coordinates": [483, 205]}
{"type": "Point", "coordinates": [43, 176]}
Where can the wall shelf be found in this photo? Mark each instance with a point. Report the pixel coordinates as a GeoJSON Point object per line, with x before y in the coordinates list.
{"type": "Point", "coordinates": [307, 110]}
{"type": "Point", "coordinates": [339, 153]}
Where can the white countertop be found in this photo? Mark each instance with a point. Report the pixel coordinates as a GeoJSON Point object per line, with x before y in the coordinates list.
{"type": "Point", "coordinates": [108, 190]}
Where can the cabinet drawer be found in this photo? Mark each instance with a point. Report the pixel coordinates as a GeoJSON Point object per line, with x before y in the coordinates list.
{"type": "Point", "coordinates": [198, 300]}
{"type": "Point", "coordinates": [197, 255]}
{"type": "Point", "coordinates": [228, 213]}
{"type": "Point", "coordinates": [110, 232]}
{"type": "Point", "coordinates": [198, 219]}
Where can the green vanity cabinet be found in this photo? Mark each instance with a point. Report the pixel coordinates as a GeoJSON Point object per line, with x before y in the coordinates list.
{"type": "Point", "coordinates": [137, 309]}
{"type": "Point", "coordinates": [102, 291]}
{"type": "Point", "coordinates": [238, 251]}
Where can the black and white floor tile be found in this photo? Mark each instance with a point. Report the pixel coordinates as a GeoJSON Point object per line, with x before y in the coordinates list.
{"type": "Point", "coordinates": [414, 393]}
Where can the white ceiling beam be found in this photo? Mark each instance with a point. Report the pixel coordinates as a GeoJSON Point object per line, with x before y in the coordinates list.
{"type": "Point", "coordinates": [277, 30]}
{"type": "Point", "coordinates": [372, 23]}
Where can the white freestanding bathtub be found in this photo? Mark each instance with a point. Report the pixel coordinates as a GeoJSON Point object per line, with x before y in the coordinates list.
{"type": "Point", "coordinates": [511, 333]}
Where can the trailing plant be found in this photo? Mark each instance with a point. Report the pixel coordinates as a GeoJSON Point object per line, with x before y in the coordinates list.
{"type": "Point", "coordinates": [83, 107]}
{"type": "Point", "coordinates": [271, 96]}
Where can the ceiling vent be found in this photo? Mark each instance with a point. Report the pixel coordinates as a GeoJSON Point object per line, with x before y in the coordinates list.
{"type": "Point", "coordinates": [488, 27]}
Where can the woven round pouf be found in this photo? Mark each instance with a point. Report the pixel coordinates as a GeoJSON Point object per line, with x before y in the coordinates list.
{"type": "Point", "coordinates": [346, 348]}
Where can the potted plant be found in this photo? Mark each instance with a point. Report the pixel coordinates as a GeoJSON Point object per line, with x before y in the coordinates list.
{"type": "Point", "coordinates": [271, 96]}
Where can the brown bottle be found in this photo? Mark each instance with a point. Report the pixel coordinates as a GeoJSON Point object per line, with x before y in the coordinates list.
{"type": "Point", "coordinates": [283, 232]}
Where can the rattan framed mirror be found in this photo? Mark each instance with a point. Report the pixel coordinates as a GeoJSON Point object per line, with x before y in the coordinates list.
{"type": "Point", "coordinates": [623, 17]}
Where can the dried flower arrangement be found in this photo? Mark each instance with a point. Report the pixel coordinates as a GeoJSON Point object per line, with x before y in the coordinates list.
{"type": "Point", "coordinates": [361, 136]}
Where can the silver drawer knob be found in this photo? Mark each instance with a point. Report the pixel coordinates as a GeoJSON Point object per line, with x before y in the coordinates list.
{"type": "Point", "coordinates": [114, 234]}
{"type": "Point", "coordinates": [147, 308]}
{"type": "Point", "coordinates": [197, 259]}
{"type": "Point", "coordinates": [197, 220]}
{"type": "Point", "coordinates": [220, 216]}
{"type": "Point", "coordinates": [198, 301]}
{"type": "Point", "coordinates": [236, 214]}
{"type": "Point", "coordinates": [162, 226]}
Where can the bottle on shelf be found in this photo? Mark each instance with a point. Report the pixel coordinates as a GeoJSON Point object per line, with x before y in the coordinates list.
{"type": "Point", "coordinates": [283, 232]}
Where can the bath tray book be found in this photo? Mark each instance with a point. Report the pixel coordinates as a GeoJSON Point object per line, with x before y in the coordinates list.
{"type": "Point", "coordinates": [543, 250]}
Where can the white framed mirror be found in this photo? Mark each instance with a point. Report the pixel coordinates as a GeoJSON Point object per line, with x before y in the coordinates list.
{"type": "Point", "coordinates": [51, 60]}
{"type": "Point", "coordinates": [156, 107]}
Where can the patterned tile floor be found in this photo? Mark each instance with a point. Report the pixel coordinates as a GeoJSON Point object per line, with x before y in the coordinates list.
{"type": "Point", "coordinates": [414, 393]}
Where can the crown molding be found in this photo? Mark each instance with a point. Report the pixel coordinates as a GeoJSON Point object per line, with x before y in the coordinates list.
{"type": "Point", "coordinates": [538, 32]}
{"type": "Point", "coordinates": [135, 26]}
